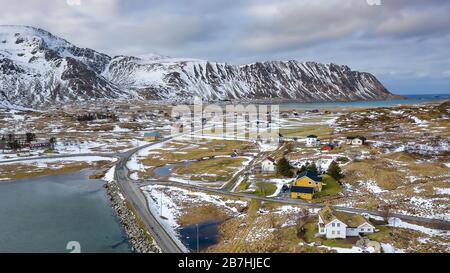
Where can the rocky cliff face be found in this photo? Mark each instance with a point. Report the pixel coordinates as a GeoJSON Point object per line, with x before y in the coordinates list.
{"type": "Point", "coordinates": [169, 78]}
{"type": "Point", "coordinates": [37, 67]}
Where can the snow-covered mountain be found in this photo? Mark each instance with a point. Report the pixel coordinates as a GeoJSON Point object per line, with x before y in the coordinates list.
{"type": "Point", "coordinates": [37, 67]}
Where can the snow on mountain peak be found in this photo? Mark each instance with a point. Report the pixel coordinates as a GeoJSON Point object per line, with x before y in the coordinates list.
{"type": "Point", "coordinates": [37, 67]}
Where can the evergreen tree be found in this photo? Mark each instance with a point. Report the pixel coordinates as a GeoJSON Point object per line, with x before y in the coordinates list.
{"type": "Point", "coordinates": [304, 167]}
{"type": "Point", "coordinates": [312, 168]}
{"type": "Point", "coordinates": [283, 168]}
{"type": "Point", "coordinates": [30, 137]}
{"type": "Point", "coordinates": [52, 142]}
{"type": "Point", "coordinates": [335, 171]}
{"type": "Point", "coordinates": [14, 145]}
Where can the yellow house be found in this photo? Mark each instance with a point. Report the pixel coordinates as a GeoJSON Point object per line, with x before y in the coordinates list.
{"type": "Point", "coordinates": [152, 136]}
{"type": "Point", "coordinates": [306, 185]}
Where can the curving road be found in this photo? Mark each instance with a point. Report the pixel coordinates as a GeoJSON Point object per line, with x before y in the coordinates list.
{"type": "Point", "coordinates": [131, 192]}
{"type": "Point", "coordinates": [294, 202]}
{"type": "Point", "coordinates": [168, 244]}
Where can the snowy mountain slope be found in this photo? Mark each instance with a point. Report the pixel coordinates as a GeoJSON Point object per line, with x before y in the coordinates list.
{"type": "Point", "coordinates": [37, 68]}
{"type": "Point", "coordinates": [6, 104]}
{"type": "Point", "coordinates": [169, 78]}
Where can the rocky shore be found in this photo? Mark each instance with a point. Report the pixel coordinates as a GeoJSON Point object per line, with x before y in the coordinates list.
{"type": "Point", "coordinates": [138, 237]}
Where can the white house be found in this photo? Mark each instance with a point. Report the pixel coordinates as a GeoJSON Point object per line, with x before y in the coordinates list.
{"type": "Point", "coordinates": [357, 141]}
{"type": "Point", "coordinates": [312, 141]}
{"type": "Point", "coordinates": [335, 224]}
{"type": "Point", "coordinates": [268, 165]}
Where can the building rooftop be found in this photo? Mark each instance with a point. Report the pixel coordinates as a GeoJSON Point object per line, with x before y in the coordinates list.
{"type": "Point", "coordinates": [310, 175]}
{"type": "Point", "coordinates": [302, 189]}
{"type": "Point", "coordinates": [351, 220]}
{"type": "Point", "coordinates": [155, 133]}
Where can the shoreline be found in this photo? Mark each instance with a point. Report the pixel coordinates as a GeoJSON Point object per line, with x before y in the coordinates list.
{"type": "Point", "coordinates": [138, 237]}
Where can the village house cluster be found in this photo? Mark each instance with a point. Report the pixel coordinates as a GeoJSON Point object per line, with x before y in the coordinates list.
{"type": "Point", "coordinates": [26, 141]}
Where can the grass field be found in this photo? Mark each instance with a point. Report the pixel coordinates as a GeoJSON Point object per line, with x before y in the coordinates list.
{"type": "Point", "coordinates": [216, 169]}
{"type": "Point", "coordinates": [265, 189]}
{"type": "Point", "coordinates": [322, 131]}
{"type": "Point", "coordinates": [332, 188]}
{"type": "Point", "coordinates": [181, 151]}
{"type": "Point", "coordinates": [22, 171]}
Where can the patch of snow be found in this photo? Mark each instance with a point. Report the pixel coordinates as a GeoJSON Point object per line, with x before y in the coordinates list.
{"type": "Point", "coordinates": [398, 223]}
{"type": "Point", "coordinates": [442, 190]}
{"type": "Point", "coordinates": [44, 161]}
{"type": "Point", "coordinates": [388, 248]}
{"type": "Point", "coordinates": [109, 175]}
{"type": "Point", "coordinates": [372, 186]}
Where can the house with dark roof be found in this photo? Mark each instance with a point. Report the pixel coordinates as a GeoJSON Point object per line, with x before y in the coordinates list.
{"type": "Point", "coordinates": [306, 184]}
{"type": "Point", "coordinates": [312, 141]}
{"type": "Point", "coordinates": [337, 224]}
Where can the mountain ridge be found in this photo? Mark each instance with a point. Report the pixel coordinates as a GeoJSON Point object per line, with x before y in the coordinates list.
{"type": "Point", "coordinates": [37, 68]}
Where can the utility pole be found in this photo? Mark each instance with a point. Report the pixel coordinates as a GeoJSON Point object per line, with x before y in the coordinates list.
{"type": "Point", "coordinates": [161, 205]}
{"type": "Point", "coordinates": [198, 240]}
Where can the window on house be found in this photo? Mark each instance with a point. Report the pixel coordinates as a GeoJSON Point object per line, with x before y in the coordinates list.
{"type": "Point", "coordinates": [338, 224]}
{"type": "Point", "coordinates": [338, 232]}
{"type": "Point", "coordinates": [332, 224]}
{"type": "Point", "coordinates": [332, 232]}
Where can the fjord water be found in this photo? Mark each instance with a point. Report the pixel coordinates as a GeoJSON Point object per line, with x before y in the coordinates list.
{"type": "Point", "coordinates": [409, 99]}
{"type": "Point", "coordinates": [43, 214]}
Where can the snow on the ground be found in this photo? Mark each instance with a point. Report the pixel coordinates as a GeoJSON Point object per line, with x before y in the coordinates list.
{"type": "Point", "coordinates": [134, 164]}
{"type": "Point", "coordinates": [372, 186]}
{"type": "Point", "coordinates": [134, 176]}
{"type": "Point", "coordinates": [442, 190]}
{"type": "Point", "coordinates": [388, 248]}
{"type": "Point", "coordinates": [238, 182]}
{"type": "Point", "coordinates": [42, 162]}
{"type": "Point", "coordinates": [398, 223]}
{"type": "Point", "coordinates": [354, 249]}
{"type": "Point", "coordinates": [268, 147]}
{"type": "Point", "coordinates": [109, 175]}
{"type": "Point", "coordinates": [322, 163]}
{"type": "Point", "coordinates": [417, 120]}
{"type": "Point", "coordinates": [256, 233]}
{"type": "Point", "coordinates": [167, 200]}
{"type": "Point", "coordinates": [279, 182]}
{"type": "Point", "coordinates": [287, 209]}
{"type": "Point", "coordinates": [118, 129]}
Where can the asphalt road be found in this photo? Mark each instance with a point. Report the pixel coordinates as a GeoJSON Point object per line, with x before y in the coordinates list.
{"type": "Point", "coordinates": [297, 202]}
{"type": "Point", "coordinates": [137, 199]}
{"type": "Point", "coordinates": [131, 190]}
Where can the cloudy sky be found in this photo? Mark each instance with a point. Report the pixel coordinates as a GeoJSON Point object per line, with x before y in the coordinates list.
{"type": "Point", "coordinates": [405, 43]}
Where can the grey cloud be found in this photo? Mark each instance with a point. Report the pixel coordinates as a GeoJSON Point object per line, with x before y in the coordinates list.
{"type": "Point", "coordinates": [402, 39]}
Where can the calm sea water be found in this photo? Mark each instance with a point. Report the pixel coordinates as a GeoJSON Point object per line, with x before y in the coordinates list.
{"type": "Point", "coordinates": [43, 214]}
{"type": "Point", "coordinates": [410, 99]}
